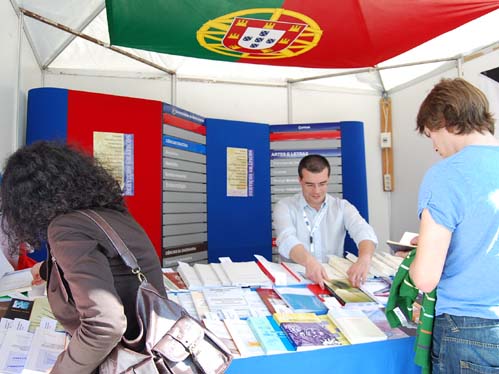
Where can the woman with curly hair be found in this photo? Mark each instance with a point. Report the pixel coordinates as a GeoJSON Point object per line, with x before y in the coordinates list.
{"type": "Point", "coordinates": [43, 187]}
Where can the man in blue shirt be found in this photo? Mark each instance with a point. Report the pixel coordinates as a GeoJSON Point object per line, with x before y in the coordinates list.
{"type": "Point", "coordinates": [312, 224]}
{"type": "Point", "coordinates": [458, 245]}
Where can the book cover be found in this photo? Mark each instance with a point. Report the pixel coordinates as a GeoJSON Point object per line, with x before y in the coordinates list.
{"type": "Point", "coordinates": [347, 294]}
{"type": "Point", "coordinates": [268, 337]}
{"type": "Point", "coordinates": [309, 335]}
{"type": "Point", "coordinates": [404, 244]}
{"type": "Point", "coordinates": [321, 293]}
{"type": "Point", "coordinates": [176, 279]}
{"type": "Point", "coordinates": [326, 322]}
{"type": "Point", "coordinates": [41, 308]}
{"type": "Point", "coordinates": [295, 317]}
{"type": "Point", "coordinates": [356, 326]}
{"type": "Point", "coordinates": [19, 309]}
{"type": "Point", "coordinates": [301, 299]}
{"type": "Point", "coordinates": [397, 246]}
{"type": "Point", "coordinates": [272, 300]}
{"type": "Point", "coordinates": [244, 338]}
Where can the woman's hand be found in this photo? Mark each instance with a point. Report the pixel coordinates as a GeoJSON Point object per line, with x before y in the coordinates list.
{"type": "Point", "coordinates": [35, 273]}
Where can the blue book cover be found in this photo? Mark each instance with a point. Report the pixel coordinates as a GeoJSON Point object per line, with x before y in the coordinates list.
{"type": "Point", "coordinates": [267, 335]}
{"type": "Point", "coordinates": [301, 300]}
{"type": "Point", "coordinates": [281, 334]}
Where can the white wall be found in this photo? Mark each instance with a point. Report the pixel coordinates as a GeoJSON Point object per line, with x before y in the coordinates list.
{"type": "Point", "coordinates": [413, 153]}
{"type": "Point", "coordinates": [13, 90]}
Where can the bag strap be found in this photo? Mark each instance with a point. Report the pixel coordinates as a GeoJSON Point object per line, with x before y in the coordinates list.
{"type": "Point", "coordinates": [119, 245]}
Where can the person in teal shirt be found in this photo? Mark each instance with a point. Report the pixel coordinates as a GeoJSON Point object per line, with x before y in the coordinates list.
{"type": "Point", "coordinates": [458, 245]}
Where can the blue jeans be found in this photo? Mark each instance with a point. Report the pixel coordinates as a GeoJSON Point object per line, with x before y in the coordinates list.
{"type": "Point", "coordinates": [465, 345]}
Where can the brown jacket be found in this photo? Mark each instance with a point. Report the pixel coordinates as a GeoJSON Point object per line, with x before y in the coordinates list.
{"type": "Point", "coordinates": [91, 292]}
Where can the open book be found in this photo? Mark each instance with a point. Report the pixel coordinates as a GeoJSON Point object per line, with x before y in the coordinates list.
{"type": "Point", "coordinates": [12, 280]}
{"type": "Point", "coordinates": [404, 244]}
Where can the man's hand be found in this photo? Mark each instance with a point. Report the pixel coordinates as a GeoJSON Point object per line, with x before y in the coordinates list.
{"type": "Point", "coordinates": [357, 273]}
{"type": "Point", "coordinates": [315, 271]}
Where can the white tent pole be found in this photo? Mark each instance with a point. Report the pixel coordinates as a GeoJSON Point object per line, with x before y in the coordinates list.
{"type": "Point", "coordinates": [93, 40]}
{"type": "Point", "coordinates": [289, 92]}
{"type": "Point", "coordinates": [460, 71]}
{"type": "Point", "coordinates": [80, 27]}
{"type": "Point", "coordinates": [173, 92]}
{"type": "Point", "coordinates": [16, 134]}
{"type": "Point", "coordinates": [370, 70]}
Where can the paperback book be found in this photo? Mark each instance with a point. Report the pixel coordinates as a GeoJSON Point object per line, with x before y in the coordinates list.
{"type": "Point", "coordinates": [309, 335]}
{"type": "Point", "coordinates": [356, 326]}
{"type": "Point", "coordinates": [301, 299]}
{"type": "Point", "coordinates": [270, 336]}
{"type": "Point", "coordinates": [404, 244]}
{"type": "Point", "coordinates": [244, 338]}
{"type": "Point", "coordinates": [296, 317]}
{"type": "Point", "coordinates": [272, 300]}
{"type": "Point", "coordinates": [348, 295]}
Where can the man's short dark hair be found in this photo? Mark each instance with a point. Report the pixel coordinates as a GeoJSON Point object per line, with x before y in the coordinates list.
{"type": "Point", "coordinates": [314, 164]}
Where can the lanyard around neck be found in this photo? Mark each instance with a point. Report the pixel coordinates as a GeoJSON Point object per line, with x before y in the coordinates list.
{"type": "Point", "coordinates": [311, 229]}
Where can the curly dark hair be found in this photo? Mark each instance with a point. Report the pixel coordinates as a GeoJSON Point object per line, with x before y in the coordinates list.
{"type": "Point", "coordinates": [46, 179]}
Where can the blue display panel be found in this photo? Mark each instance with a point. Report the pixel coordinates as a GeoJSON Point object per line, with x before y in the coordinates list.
{"type": "Point", "coordinates": [43, 122]}
{"type": "Point", "coordinates": [238, 226]}
{"type": "Point", "coordinates": [354, 171]}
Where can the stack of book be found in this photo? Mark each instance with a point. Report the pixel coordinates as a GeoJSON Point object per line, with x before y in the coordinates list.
{"type": "Point", "coordinates": [356, 326]}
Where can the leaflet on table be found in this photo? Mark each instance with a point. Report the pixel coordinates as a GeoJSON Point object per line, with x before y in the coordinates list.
{"type": "Point", "coordinates": [223, 299]}
{"type": "Point", "coordinates": [218, 327]}
{"type": "Point", "coordinates": [15, 346]}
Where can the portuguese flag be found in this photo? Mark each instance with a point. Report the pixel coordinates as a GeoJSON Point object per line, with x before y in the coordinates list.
{"type": "Point", "coordinates": [308, 33]}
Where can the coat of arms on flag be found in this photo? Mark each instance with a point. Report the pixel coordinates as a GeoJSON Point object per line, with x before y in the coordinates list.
{"type": "Point", "coordinates": [268, 37]}
{"type": "Point", "coordinates": [247, 35]}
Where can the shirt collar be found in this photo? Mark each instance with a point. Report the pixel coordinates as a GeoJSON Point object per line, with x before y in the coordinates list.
{"type": "Point", "coordinates": [303, 203]}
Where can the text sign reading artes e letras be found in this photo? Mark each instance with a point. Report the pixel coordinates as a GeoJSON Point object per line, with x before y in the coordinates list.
{"type": "Point", "coordinates": [319, 33]}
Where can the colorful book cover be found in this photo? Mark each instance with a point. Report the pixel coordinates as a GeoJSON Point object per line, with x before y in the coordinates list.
{"type": "Point", "coordinates": [270, 341]}
{"type": "Point", "coordinates": [176, 279]}
{"type": "Point", "coordinates": [19, 309]}
{"type": "Point", "coordinates": [309, 335]}
{"type": "Point", "coordinates": [301, 299]}
{"type": "Point", "coordinates": [347, 294]}
{"type": "Point", "coordinates": [296, 317]}
{"type": "Point", "coordinates": [326, 322]}
{"type": "Point", "coordinates": [272, 300]}
{"type": "Point", "coordinates": [321, 293]}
